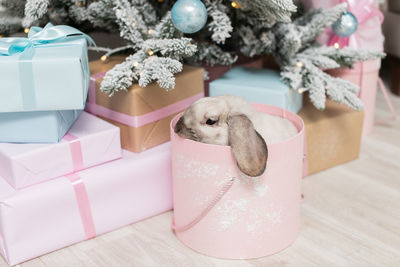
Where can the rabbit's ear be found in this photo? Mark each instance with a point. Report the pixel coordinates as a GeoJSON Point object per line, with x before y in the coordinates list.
{"type": "Point", "coordinates": [179, 125]}
{"type": "Point", "coordinates": [248, 147]}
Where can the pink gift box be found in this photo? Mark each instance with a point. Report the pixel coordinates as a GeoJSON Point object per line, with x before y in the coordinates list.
{"type": "Point", "coordinates": [257, 216]}
{"type": "Point", "coordinates": [90, 141]}
{"type": "Point", "coordinates": [369, 33]}
{"type": "Point", "coordinates": [52, 215]}
{"type": "Point", "coordinates": [366, 76]}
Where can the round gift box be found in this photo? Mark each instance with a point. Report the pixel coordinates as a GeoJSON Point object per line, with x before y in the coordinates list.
{"type": "Point", "coordinates": [365, 75]}
{"type": "Point", "coordinates": [258, 216]}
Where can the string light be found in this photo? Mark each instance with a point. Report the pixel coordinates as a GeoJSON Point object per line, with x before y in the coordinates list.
{"type": "Point", "coordinates": [150, 31]}
{"type": "Point", "coordinates": [150, 52]}
{"type": "Point", "coordinates": [299, 64]}
{"type": "Point", "coordinates": [103, 58]}
{"type": "Point", "coordinates": [1, 36]}
{"type": "Point", "coordinates": [336, 45]}
{"type": "Point", "coordinates": [26, 30]}
{"type": "Point", "coordinates": [302, 90]}
{"type": "Point", "coordinates": [160, 1]}
{"type": "Point", "coordinates": [81, 3]}
{"type": "Point", "coordinates": [135, 64]}
{"type": "Point", "coordinates": [235, 4]}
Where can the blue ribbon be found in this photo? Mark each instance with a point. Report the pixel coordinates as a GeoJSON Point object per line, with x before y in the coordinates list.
{"type": "Point", "coordinates": [40, 36]}
{"type": "Point", "coordinates": [25, 47]}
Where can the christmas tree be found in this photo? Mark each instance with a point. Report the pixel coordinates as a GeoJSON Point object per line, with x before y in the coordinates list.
{"type": "Point", "coordinates": [158, 46]}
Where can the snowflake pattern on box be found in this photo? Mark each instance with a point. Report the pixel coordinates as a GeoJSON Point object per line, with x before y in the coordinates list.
{"type": "Point", "coordinates": [240, 205]}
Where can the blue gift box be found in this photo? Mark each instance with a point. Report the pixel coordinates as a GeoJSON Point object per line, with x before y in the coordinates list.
{"type": "Point", "coordinates": [37, 126]}
{"type": "Point", "coordinates": [258, 86]}
{"type": "Point", "coordinates": [47, 71]}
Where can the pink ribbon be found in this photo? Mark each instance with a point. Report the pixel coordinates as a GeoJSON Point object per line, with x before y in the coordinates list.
{"type": "Point", "coordinates": [363, 10]}
{"type": "Point", "coordinates": [76, 151]}
{"type": "Point", "coordinates": [134, 121]}
{"type": "Point", "coordinates": [83, 204]}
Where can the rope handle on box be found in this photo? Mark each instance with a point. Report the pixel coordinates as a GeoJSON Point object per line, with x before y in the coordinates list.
{"type": "Point", "coordinates": [388, 102]}
{"type": "Point", "coordinates": [208, 208]}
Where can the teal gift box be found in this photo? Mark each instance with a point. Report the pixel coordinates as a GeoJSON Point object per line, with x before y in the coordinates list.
{"type": "Point", "coordinates": [257, 86]}
{"type": "Point", "coordinates": [37, 126]}
{"type": "Point", "coordinates": [49, 70]}
{"type": "Point", "coordinates": [44, 83]}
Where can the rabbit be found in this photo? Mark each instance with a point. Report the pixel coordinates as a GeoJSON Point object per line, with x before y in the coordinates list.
{"type": "Point", "coordinates": [230, 120]}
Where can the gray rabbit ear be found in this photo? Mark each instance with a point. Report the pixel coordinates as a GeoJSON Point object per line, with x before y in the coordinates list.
{"type": "Point", "coordinates": [179, 126]}
{"type": "Point", "coordinates": [248, 147]}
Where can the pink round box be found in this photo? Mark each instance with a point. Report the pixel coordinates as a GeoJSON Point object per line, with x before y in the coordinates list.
{"type": "Point", "coordinates": [257, 216]}
{"type": "Point", "coordinates": [365, 75]}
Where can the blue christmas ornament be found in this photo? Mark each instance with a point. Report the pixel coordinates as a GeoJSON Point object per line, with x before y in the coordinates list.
{"type": "Point", "coordinates": [346, 25]}
{"type": "Point", "coordinates": [189, 16]}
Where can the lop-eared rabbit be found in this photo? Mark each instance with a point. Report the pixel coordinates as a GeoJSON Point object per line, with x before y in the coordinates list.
{"type": "Point", "coordinates": [230, 120]}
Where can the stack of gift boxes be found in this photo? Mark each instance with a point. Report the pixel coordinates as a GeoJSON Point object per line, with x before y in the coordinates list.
{"type": "Point", "coordinates": [63, 175]}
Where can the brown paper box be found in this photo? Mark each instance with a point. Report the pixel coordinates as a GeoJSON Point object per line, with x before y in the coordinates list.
{"type": "Point", "coordinates": [333, 135]}
{"type": "Point", "coordinates": [139, 101]}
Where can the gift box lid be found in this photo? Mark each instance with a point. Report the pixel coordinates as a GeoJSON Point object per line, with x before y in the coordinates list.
{"type": "Point", "coordinates": [259, 86]}
{"type": "Point", "coordinates": [46, 77]}
{"type": "Point", "coordinates": [90, 141]}
{"type": "Point", "coordinates": [138, 100]}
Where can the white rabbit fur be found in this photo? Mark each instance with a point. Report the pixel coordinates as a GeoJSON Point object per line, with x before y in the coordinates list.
{"type": "Point", "coordinates": [273, 129]}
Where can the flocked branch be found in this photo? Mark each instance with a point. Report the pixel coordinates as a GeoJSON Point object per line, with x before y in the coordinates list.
{"type": "Point", "coordinates": [253, 28]}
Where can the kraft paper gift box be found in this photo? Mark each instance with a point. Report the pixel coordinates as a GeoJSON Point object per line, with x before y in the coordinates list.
{"type": "Point", "coordinates": [36, 126]}
{"type": "Point", "coordinates": [258, 86]}
{"type": "Point", "coordinates": [45, 217]}
{"type": "Point", "coordinates": [333, 136]}
{"type": "Point", "coordinates": [90, 141]}
{"type": "Point", "coordinates": [143, 114]}
{"type": "Point", "coordinates": [46, 71]}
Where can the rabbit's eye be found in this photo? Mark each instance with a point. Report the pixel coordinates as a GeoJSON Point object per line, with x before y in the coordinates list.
{"type": "Point", "coordinates": [210, 122]}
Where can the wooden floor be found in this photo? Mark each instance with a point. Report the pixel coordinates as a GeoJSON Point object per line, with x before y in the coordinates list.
{"type": "Point", "coordinates": [350, 217]}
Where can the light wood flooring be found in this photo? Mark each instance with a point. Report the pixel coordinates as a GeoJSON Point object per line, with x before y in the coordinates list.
{"type": "Point", "coordinates": [350, 217]}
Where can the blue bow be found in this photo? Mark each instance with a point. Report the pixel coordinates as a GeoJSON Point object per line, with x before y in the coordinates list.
{"type": "Point", "coordinates": [40, 36]}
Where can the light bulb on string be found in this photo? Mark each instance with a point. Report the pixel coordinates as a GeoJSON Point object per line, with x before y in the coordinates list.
{"type": "Point", "coordinates": [81, 3]}
{"type": "Point", "coordinates": [299, 64]}
{"type": "Point", "coordinates": [336, 45]}
{"type": "Point", "coordinates": [235, 4]}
